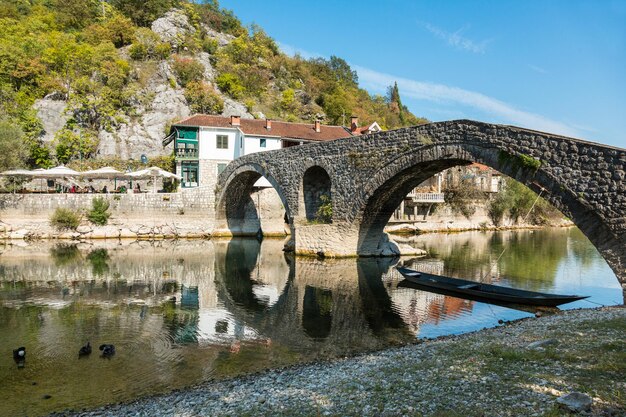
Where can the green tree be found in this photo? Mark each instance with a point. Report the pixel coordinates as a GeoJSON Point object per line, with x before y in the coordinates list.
{"type": "Point", "coordinates": [202, 98]}
{"type": "Point", "coordinates": [342, 71]}
{"type": "Point", "coordinates": [395, 104]}
{"type": "Point", "coordinates": [74, 145]}
{"type": "Point", "coordinates": [75, 14]}
{"type": "Point", "coordinates": [143, 12]}
{"type": "Point", "coordinates": [337, 105]}
{"type": "Point", "coordinates": [13, 148]}
{"type": "Point", "coordinates": [324, 212]}
{"type": "Point", "coordinates": [120, 30]}
{"type": "Point", "coordinates": [287, 100]}
{"type": "Point", "coordinates": [462, 197]}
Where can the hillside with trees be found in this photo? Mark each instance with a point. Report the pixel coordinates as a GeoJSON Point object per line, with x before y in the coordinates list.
{"type": "Point", "coordinates": [89, 81]}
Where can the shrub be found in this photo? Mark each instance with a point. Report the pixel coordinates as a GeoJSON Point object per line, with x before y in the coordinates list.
{"type": "Point", "coordinates": [138, 51]}
{"type": "Point", "coordinates": [147, 44]}
{"type": "Point", "coordinates": [230, 84]}
{"type": "Point", "coordinates": [162, 50]}
{"type": "Point", "coordinates": [99, 214]}
{"type": "Point", "coordinates": [498, 207]}
{"type": "Point", "coordinates": [64, 219]}
{"type": "Point", "coordinates": [209, 45]}
{"type": "Point", "coordinates": [202, 98]}
{"type": "Point", "coordinates": [324, 212]}
{"type": "Point", "coordinates": [187, 70]}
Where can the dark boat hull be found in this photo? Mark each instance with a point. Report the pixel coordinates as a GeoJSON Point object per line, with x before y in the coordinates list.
{"type": "Point", "coordinates": [483, 292]}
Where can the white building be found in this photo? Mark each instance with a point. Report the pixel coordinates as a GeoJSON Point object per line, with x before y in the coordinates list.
{"type": "Point", "coordinates": [204, 144]}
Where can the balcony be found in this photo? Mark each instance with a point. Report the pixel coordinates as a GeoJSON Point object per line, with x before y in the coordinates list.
{"type": "Point", "coordinates": [427, 197]}
{"type": "Point", "coordinates": [183, 153]}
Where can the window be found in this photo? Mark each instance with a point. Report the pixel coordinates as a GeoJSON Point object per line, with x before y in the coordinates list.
{"type": "Point", "coordinates": [189, 171]}
{"type": "Point", "coordinates": [222, 142]}
{"type": "Point", "coordinates": [220, 168]}
{"type": "Point", "coordinates": [263, 143]}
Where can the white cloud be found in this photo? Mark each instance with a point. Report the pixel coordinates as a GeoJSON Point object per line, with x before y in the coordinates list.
{"type": "Point", "coordinates": [457, 40]}
{"type": "Point", "coordinates": [292, 50]}
{"type": "Point", "coordinates": [440, 93]}
{"type": "Point", "coordinates": [499, 111]}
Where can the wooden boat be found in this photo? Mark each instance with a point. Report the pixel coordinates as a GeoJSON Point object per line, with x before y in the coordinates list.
{"type": "Point", "coordinates": [483, 292]}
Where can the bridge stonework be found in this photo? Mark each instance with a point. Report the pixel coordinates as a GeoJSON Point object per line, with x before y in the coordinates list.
{"type": "Point", "coordinates": [370, 175]}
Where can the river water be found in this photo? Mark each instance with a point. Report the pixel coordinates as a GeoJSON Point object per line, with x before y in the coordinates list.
{"type": "Point", "coordinates": [183, 312]}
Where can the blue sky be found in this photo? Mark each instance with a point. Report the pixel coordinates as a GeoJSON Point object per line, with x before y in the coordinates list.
{"type": "Point", "coordinates": [550, 65]}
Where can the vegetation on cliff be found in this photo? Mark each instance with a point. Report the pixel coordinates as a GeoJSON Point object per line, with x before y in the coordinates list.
{"type": "Point", "coordinates": [98, 55]}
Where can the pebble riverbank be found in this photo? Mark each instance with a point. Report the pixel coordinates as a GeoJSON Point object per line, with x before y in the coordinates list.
{"type": "Point", "coordinates": [517, 369]}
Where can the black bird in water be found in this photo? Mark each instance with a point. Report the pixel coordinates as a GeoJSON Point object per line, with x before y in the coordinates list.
{"type": "Point", "coordinates": [19, 354]}
{"type": "Point", "coordinates": [85, 350]}
{"type": "Point", "coordinates": [107, 350]}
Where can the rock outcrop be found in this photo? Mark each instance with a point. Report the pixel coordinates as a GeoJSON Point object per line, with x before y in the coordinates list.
{"type": "Point", "coordinates": [51, 112]}
{"type": "Point", "coordinates": [173, 27]}
{"type": "Point", "coordinates": [143, 135]}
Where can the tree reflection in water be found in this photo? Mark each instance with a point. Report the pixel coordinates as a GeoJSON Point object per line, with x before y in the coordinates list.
{"type": "Point", "coordinates": [184, 311]}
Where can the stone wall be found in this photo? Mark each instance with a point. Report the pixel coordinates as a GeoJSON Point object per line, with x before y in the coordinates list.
{"type": "Point", "coordinates": [189, 213]}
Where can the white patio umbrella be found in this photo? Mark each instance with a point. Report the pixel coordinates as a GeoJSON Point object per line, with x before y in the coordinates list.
{"type": "Point", "coordinates": [154, 173]}
{"type": "Point", "coordinates": [57, 172]}
{"type": "Point", "coordinates": [15, 173]}
{"type": "Point", "coordinates": [104, 173]}
{"type": "Point", "coordinates": [37, 171]}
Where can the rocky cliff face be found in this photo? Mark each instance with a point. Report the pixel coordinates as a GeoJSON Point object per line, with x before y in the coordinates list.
{"type": "Point", "coordinates": [165, 102]}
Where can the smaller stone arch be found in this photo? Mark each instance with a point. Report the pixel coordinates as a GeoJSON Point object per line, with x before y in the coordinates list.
{"type": "Point", "coordinates": [316, 192]}
{"type": "Point", "coordinates": [235, 210]}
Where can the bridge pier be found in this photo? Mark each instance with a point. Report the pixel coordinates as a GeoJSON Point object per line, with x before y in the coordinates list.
{"type": "Point", "coordinates": [341, 240]}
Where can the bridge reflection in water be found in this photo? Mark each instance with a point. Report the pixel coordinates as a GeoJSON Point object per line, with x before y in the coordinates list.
{"type": "Point", "coordinates": [186, 311]}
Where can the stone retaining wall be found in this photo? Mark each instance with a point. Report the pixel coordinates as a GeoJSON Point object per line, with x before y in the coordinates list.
{"type": "Point", "coordinates": [189, 213]}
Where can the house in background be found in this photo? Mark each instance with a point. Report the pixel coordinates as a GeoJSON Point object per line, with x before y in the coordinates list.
{"type": "Point", "coordinates": [365, 130]}
{"type": "Point", "coordinates": [418, 204]}
{"type": "Point", "coordinates": [204, 144]}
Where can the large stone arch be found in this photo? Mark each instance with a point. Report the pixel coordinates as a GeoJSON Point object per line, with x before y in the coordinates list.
{"type": "Point", "coordinates": [390, 184]}
{"type": "Point", "coordinates": [233, 202]}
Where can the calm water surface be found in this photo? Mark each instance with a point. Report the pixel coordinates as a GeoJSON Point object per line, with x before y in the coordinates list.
{"type": "Point", "coordinates": [182, 312]}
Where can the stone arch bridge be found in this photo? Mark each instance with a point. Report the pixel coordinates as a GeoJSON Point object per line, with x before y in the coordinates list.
{"type": "Point", "coordinates": [365, 178]}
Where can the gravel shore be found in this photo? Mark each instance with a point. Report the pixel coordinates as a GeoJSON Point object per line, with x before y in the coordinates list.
{"type": "Point", "coordinates": [517, 369]}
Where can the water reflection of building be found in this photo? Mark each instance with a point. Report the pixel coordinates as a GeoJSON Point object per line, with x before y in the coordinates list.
{"type": "Point", "coordinates": [418, 307]}
{"type": "Point", "coordinates": [223, 291]}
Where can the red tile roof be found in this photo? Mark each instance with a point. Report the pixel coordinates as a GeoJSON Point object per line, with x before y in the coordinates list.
{"type": "Point", "coordinates": [285, 130]}
{"type": "Point", "coordinates": [480, 167]}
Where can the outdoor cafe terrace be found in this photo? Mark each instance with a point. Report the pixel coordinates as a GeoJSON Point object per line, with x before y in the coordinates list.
{"type": "Point", "coordinates": [62, 179]}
